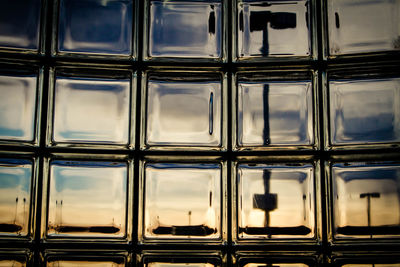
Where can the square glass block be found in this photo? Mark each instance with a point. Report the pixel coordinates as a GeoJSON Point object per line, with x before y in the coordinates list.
{"type": "Point", "coordinates": [95, 27]}
{"type": "Point", "coordinates": [184, 111]}
{"type": "Point", "coordinates": [15, 196]}
{"type": "Point", "coordinates": [182, 201]}
{"type": "Point", "coordinates": [359, 26]}
{"type": "Point", "coordinates": [185, 29]}
{"type": "Point", "coordinates": [20, 24]}
{"type": "Point", "coordinates": [275, 113]}
{"type": "Point", "coordinates": [366, 200]}
{"type": "Point", "coordinates": [273, 29]}
{"type": "Point", "coordinates": [86, 261]}
{"type": "Point", "coordinates": [18, 107]}
{"type": "Point", "coordinates": [364, 111]}
{"type": "Point", "coordinates": [87, 199]}
{"type": "Point", "coordinates": [91, 110]}
{"type": "Point", "coordinates": [275, 201]}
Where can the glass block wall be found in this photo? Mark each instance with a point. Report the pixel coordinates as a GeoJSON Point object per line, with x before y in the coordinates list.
{"type": "Point", "coordinates": [199, 133]}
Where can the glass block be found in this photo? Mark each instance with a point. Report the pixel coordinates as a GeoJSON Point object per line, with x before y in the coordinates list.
{"type": "Point", "coordinates": [85, 261]}
{"type": "Point", "coordinates": [18, 107]}
{"type": "Point", "coordinates": [91, 110]}
{"type": "Point", "coordinates": [182, 259]}
{"type": "Point", "coordinates": [274, 113]}
{"type": "Point", "coordinates": [359, 26]}
{"type": "Point", "coordinates": [13, 260]}
{"type": "Point", "coordinates": [273, 28]}
{"type": "Point", "coordinates": [275, 201]}
{"type": "Point", "coordinates": [15, 197]}
{"type": "Point", "coordinates": [95, 27]}
{"type": "Point", "coordinates": [364, 111]}
{"type": "Point", "coordinates": [280, 264]}
{"type": "Point", "coordinates": [182, 201]}
{"type": "Point", "coordinates": [87, 199]}
{"type": "Point", "coordinates": [20, 24]}
{"type": "Point", "coordinates": [184, 111]}
{"type": "Point", "coordinates": [366, 200]}
{"type": "Point", "coordinates": [185, 29]}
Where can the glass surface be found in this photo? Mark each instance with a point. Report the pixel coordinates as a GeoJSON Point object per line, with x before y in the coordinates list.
{"type": "Point", "coordinates": [275, 113]}
{"type": "Point", "coordinates": [372, 265]}
{"type": "Point", "coordinates": [273, 28]}
{"type": "Point", "coordinates": [275, 201]}
{"type": "Point", "coordinates": [12, 263]}
{"type": "Point", "coordinates": [358, 26]}
{"type": "Point", "coordinates": [364, 111]}
{"type": "Point", "coordinates": [184, 111]}
{"type": "Point", "coordinates": [15, 196]}
{"type": "Point", "coordinates": [86, 262]}
{"type": "Point", "coordinates": [20, 24]}
{"type": "Point", "coordinates": [17, 107]}
{"type": "Point", "coordinates": [275, 265]}
{"type": "Point", "coordinates": [87, 199]}
{"type": "Point", "coordinates": [91, 110]}
{"type": "Point", "coordinates": [182, 201]}
{"type": "Point", "coordinates": [366, 200]}
{"type": "Point", "coordinates": [95, 26]}
{"type": "Point", "coordinates": [176, 264]}
{"type": "Point", "coordinates": [185, 29]}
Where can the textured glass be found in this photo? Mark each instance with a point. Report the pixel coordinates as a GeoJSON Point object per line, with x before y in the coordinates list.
{"type": "Point", "coordinates": [12, 263]}
{"type": "Point", "coordinates": [182, 201]}
{"type": "Point", "coordinates": [91, 110]}
{"type": "Point", "coordinates": [184, 112]}
{"type": "Point", "coordinates": [275, 201]}
{"type": "Point", "coordinates": [95, 26]}
{"type": "Point", "coordinates": [275, 264]}
{"type": "Point", "coordinates": [17, 107]}
{"type": "Point", "coordinates": [20, 24]}
{"type": "Point", "coordinates": [275, 113]}
{"type": "Point", "coordinates": [86, 263]}
{"type": "Point", "coordinates": [15, 196]}
{"type": "Point", "coordinates": [365, 111]}
{"type": "Point", "coordinates": [358, 26]}
{"type": "Point", "coordinates": [273, 28]}
{"type": "Point", "coordinates": [366, 200]}
{"type": "Point", "coordinates": [178, 264]}
{"type": "Point", "coordinates": [87, 199]}
{"type": "Point", "coordinates": [185, 29]}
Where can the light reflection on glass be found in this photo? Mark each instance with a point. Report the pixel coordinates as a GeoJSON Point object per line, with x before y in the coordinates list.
{"type": "Point", "coordinates": [17, 107]}
{"type": "Point", "coordinates": [357, 26]}
{"type": "Point", "coordinates": [91, 110]}
{"type": "Point", "coordinates": [15, 196]}
{"type": "Point", "coordinates": [275, 201]}
{"type": "Point", "coordinates": [175, 264]}
{"type": "Point", "coordinates": [182, 201]}
{"type": "Point", "coordinates": [185, 29]}
{"type": "Point", "coordinates": [365, 111]}
{"type": "Point", "coordinates": [13, 263]}
{"type": "Point", "coordinates": [275, 113]}
{"type": "Point", "coordinates": [273, 28]}
{"type": "Point", "coordinates": [366, 200]}
{"type": "Point", "coordinates": [20, 24]}
{"type": "Point", "coordinates": [186, 112]}
{"type": "Point", "coordinates": [86, 263]}
{"type": "Point", "coordinates": [95, 26]}
{"type": "Point", "coordinates": [87, 199]}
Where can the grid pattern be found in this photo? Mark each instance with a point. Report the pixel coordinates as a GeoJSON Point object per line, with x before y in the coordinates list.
{"type": "Point", "coordinates": [199, 133]}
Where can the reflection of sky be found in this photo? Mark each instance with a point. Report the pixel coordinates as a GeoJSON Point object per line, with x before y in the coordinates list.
{"type": "Point", "coordinates": [92, 194]}
{"type": "Point", "coordinates": [289, 183]}
{"type": "Point", "coordinates": [290, 113]}
{"type": "Point", "coordinates": [184, 113]}
{"type": "Point", "coordinates": [91, 110]}
{"type": "Point", "coordinates": [365, 111]}
{"type": "Point", "coordinates": [182, 29]}
{"type": "Point", "coordinates": [174, 190]}
{"type": "Point", "coordinates": [17, 107]}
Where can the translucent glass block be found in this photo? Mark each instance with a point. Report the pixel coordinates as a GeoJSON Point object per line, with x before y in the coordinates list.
{"type": "Point", "coordinates": [275, 113]}
{"type": "Point", "coordinates": [15, 196]}
{"type": "Point", "coordinates": [275, 201]}
{"type": "Point", "coordinates": [183, 259]}
{"type": "Point", "coordinates": [184, 112]}
{"type": "Point", "coordinates": [359, 26]}
{"type": "Point", "coordinates": [95, 26]}
{"type": "Point", "coordinates": [6, 261]}
{"type": "Point", "coordinates": [87, 199]}
{"type": "Point", "coordinates": [274, 28]}
{"type": "Point", "coordinates": [275, 264]}
{"type": "Point", "coordinates": [179, 264]}
{"type": "Point", "coordinates": [18, 107]}
{"type": "Point", "coordinates": [20, 24]}
{"type": "Point", "coordinates": [179, 29]}
{"type": "Point", "coordinates": [364, 111]}
{"type": "Point", "coordinates": [86, 262]}
{"type": "Point", "coordinates": [91, 110]}
{"type": "Point", "coordinates": [182, 201]}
